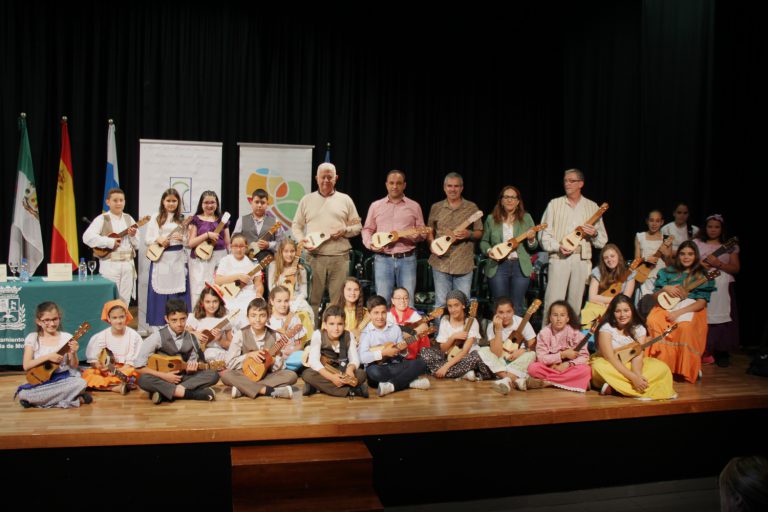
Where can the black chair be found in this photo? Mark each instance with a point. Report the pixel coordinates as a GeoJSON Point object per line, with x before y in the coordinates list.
{"type": "Point", "coordinates": [424, 296]}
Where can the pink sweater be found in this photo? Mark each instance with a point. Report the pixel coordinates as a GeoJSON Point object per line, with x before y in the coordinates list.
{"type": "Point", "coordinates": [550, 344]}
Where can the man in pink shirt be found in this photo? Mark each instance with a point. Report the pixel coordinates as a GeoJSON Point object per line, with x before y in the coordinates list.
{"type": "Point", "coordinates": [395, 263]}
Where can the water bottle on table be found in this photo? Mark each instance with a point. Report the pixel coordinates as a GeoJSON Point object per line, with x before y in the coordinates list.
{"type": "Point", "coordinates": [24, 271]}
{"type": "Point", "coordinates": [82, 270]}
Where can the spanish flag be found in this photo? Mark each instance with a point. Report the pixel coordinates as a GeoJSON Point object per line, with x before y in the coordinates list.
{"type": "Point", "coordinates": [65, 239]}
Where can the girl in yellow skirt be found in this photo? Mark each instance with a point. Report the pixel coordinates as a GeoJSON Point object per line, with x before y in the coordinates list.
{"type": "Point", "coordinates": [123, 342]}
{"type": "Point", "coordinates": [608, 273]}
{"type": "Point", "coordinates": [643, 378]}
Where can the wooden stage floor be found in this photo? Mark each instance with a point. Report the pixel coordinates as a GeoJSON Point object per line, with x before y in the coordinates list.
{"type": "Point", "coordinates": [113, 420]}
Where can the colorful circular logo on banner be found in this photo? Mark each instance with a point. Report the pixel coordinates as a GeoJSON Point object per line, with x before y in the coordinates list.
{"type": "Point", "coordinates": [284, 196]}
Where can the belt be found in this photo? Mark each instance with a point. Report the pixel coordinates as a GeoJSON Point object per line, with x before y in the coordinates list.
{"type": "Point", "coordinates": [121, 256]}
{"type": "Point", "coordinates": [399, 255]}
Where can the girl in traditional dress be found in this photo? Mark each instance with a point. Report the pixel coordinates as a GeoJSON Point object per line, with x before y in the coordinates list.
{"type": "Point", "coordinates": [646, 245]}
{"type": "Point", "coordinates": [123, 342]}
{"type": "Point", "coordinates": [282, 268]}
{"type": "Point", "coordinates": [208, 313]}
{"type": "Point", "coordinates": [168, 276]}
{"type": "Point", "coordinates": [283, 319]}
{"type": "Point", "coordinates": [234, 268]}
{"type": "Point", "coordinates": [509, 367]}
{"type": "Point", "coordinates": [201, 228]}
{"type": "Point", "coordinates": [401, 313]}
{"type": "Point", "coordinates": [683, 349]}
{"type": "Point", "coordinates": [467, 364]}
{"type": "Point", "coordinates": [644, 378]}
{"type": "Point", "coordinates": [722, 317]}
{"type": "Point", "coordinates": [65, 388]}
{"type": "Point", "coordinates": [559, 363]}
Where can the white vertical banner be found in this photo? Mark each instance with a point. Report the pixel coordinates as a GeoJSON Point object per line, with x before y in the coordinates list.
{"type": "Point", "coordinates": [284, 171]}
{"type": "Point", "coordinates": [189, 167]}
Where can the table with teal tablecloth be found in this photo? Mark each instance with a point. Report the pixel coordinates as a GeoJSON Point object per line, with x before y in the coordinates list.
{"type": "Point", "coordinates": [78, 300]}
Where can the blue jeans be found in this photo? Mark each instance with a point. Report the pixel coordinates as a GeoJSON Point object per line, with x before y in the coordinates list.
{"type": "Point", "coordinates": [390, 272]}
{"type": "Point", "coordinates": [444, 283]}
{"type": "Point", "coordinates": [400, 374]}
{"type": "Point", "coordinates": [509, 281]}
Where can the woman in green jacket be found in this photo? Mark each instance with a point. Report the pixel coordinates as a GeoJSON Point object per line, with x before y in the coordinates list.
{"type": "Point", "coordinates": [511, 276]}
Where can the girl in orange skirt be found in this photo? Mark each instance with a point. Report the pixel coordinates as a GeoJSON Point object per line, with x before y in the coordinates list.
{"type": "Point", "coordinates": [123, 342]}
{"type": "Point", "coordinates": [683, 348]}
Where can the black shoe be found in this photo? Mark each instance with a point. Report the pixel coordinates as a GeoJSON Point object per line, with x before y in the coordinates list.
{"type": "Point", "coordinates": [205, 394]}
{"type": "Point", "coordinates": [86, 398]}
{"type": "Point", "coordinates": [156, 397]}
{"type": "Point", "coordinates": [723, 362]}
{"type": "Point", "coordinates": [309, 389]}
{"type": "Point", "coordinates": [361, 391]}
{"type": "Point", "coordinates": [25, 404]}
{"type": "Point", "coordinates": [722, 359]}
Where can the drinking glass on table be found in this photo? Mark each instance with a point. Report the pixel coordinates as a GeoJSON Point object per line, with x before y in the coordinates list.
{"type": "Point", "coordinates": [92, 267]}
{"type": "Point", "coordinates": [14, 268]}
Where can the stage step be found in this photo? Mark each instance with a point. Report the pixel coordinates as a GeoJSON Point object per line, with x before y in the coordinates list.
{"type": "Point", "coordinates": [334, 476]}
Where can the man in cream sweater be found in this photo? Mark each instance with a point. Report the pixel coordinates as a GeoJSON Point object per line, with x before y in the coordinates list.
{"type": "Point", "coordinates": [333, 216]}
{"type": "Point", "coordinates": [568, 270]}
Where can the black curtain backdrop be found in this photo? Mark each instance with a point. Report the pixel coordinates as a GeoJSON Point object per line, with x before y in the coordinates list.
{"type": "Point", "coordinates": [655, 101]}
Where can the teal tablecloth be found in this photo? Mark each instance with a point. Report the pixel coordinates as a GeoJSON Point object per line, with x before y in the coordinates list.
{"type": "Point", "coordinates": [79, 301]}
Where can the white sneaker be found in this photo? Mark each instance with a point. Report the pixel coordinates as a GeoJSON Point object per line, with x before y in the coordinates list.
{"type": "Point", "coordinates": [385, 388]}
{"type": "Point", "coordinates": [470, 376]}
{"type": "Point", "coordinates": [236, 393]}
{"type": "Point", "coordinates": [503, 386]}
{"type": "Point", "coordinates": [422, 383]}
{"type": "Point", "coordinates": [283, 392]}
{"type": "Point", "coordinates": [521, 384]}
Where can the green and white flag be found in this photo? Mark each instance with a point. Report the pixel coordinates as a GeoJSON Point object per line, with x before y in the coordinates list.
{"type": "Point", "coordinates": [26, 237]}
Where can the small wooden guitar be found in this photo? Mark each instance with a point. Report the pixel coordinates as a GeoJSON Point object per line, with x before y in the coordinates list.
{"type": "Point", "coordinates": [573, 239]}
{"type": "Point", "coordinates": [256, 370]}
{"type": "Point", "coordinates": [346, 378]}
{"type": "Point", "coordinates": [590, 333]}
{"type": "Point", "coordinates": [668, 302]}
{"type": "Point", "coordinates": [457, 347]}
{"type": "Point", "coordinates": [166, 364]}
{"type": "Point", "coordinates": [204, 251]}
{"type": "Point", "coordinates": [318, 238]}
{"type": "Point", "coordinates": [516, 340]}
{"type": "Point", "coordinates": [156, 250]}
{"type": "Point", "coordinates": [224, 321]}
{"type": "Point", "coordinates": [634, 349]}
{"type": "Point", "coordinates": [381, 239]}
{"type": "Point", "coordinates": [107, 360]}
{"type": "Point", "coordinates": [728, 247]}
{"type": "Point", "coordinates": [253, 247]}
{"type": "Point", "coordinates": [408, 339]}
{"type": "Point", "coordinates": [233, 289]}
{"type": "Point", "coordinates": [290, 280]}
{"type": "Point", "coordinates": [646, 267]}
{"type": "Point", "coordinates": [500, 252]}
{"type": "Point", "coordinates": [103, 252]}
{"type": "Point", "coordinates": [363, 322]}
{"type": "Point", "coordinates": [45, 370]}
{"type": "Point", "coordinates": [425, 319]}
{"type": "Point", "coordinates": [441, 245]}
{"type": "Point", "coordinates": [615, 288]}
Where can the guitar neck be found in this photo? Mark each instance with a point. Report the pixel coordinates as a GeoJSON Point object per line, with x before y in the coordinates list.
{"type": "Point", "coordinates": [651, 342]}
{"type": "Point", "coordinates": [599, 213]}
{"type": "Point", "coordinates": [700, 281]}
